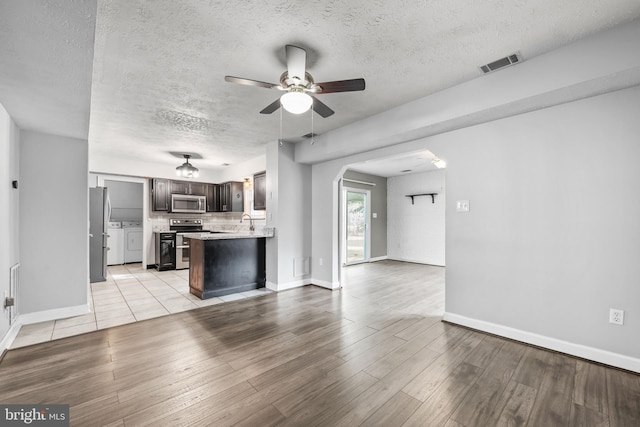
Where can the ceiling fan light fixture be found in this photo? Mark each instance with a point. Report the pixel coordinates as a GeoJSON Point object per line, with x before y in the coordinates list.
{"type": "Point", "coordinates": [187, 170]}
{"type": "Point", "coordinates": [439, 163]}
{"type": "Point", "coordinates": [296, 102]}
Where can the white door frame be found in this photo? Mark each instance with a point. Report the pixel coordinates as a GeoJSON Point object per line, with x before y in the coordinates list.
{"type": "Point", "coordinates": [343, 227]}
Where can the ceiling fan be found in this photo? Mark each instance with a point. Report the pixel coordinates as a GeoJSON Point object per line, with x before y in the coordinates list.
{"type": "Point", "coordinates": [299, 86]}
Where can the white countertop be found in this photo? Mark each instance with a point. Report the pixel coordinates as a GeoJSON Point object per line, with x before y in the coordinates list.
{"type": "Point", "coordinates": [267, 232]}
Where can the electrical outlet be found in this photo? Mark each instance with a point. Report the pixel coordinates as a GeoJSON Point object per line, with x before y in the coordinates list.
{"type": "Point", "coordinates": [616, 316]}
{"type": "Point", "coordinates": [462, 206]}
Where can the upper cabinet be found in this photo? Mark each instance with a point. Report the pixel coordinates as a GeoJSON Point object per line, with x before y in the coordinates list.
{"type": "Point", "coordinates": [237, 197]}
{"type": "Point", "coordinates": [179, 187]}
{"type": "Point", "coordinates": [231, 197]}
{"type": "Point", "coordinates": [160, 194]}
{"type": "Point", "coordinates": [187, 187]}
{"type": "Point", "coordinates": [213, 198]}
{"type": "Point", "coordinates": [226, 197]}
{"type": "Point", "coordinates": [260, 191]}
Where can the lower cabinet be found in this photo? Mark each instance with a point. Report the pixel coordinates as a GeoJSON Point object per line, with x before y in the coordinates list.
{"type": "Point", "coordinates": [165, 251]}
{"type": "Point", "coordinates": [226, 266]}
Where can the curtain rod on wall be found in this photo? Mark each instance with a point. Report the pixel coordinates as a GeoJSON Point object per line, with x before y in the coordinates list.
{"type": "Point", "coordinates": [359, 182]}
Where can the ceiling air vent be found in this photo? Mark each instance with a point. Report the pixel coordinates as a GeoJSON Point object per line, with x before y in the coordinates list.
{"type": "Point", "coordinates": [501, 63]}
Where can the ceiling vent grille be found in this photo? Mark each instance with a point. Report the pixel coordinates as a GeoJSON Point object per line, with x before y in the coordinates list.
{"type": "Point", "coordinates": [501, 63]}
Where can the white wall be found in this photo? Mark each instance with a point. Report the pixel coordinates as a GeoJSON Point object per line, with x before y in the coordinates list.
{"type": "Point", "coordinates": [244, 169]}
{"type": "Point", "coordinates": [325, 209]}
{"type": "Point", "coordinates": [271, 256]}
{"type": "Point", "coordinates": [9, 246]}
{"type": "Point", "coordinates": [416, 232]}
{"type": "Point", "coordinates": [564, 178]}
{"type": "Point", "coordinates": [551, 239]}
{"type": "Point", "coordinates": [139, 168]}
{"type": "Point", "coordinates": [289, 211]}
{"type": "Point", "coordinates": [54, 240]}
{"type": "Point", "coordinates": [550, 242]}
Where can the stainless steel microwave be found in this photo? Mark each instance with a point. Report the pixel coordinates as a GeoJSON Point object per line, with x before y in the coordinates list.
{"type": "Point", "coordinates": [188, 204]}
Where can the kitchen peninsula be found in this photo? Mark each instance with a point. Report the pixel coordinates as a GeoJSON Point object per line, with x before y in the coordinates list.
{"type": "Point", "coordinates": [226, 263]}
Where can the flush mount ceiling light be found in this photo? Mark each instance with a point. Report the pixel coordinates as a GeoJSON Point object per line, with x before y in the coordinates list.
{"type": "Point", "coordinates": [187, 170]}
{"type": "Point", "coordinates": [296, 102]}
{"type": "Point", "coordinates": [439, 163]}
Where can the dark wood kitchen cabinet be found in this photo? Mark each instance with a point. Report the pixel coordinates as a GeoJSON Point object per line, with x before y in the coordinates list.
{"type": "Point", "coordinates": [165, 250]}
{"type": "Point", "coordinates": [198, 188]}
{"type": "Point", "coordinates": [231, 197]}
{"type": "Point", "coordinates": [213, 198]}
{"type": "Point", "coordinates": [226, 266]}
{"type": "Point", "coordinates": [186, 187]}
{"type": "Point", "coordinates": [227, 197]}
{"type": "Point", "coordinates": [260, 191]}
{"type": "Point", "coordinates": [160, 196]}
{"type": "Point", "coordinates": [178, 187]}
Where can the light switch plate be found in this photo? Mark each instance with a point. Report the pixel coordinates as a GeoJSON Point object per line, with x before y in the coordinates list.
{"type": "Point", "coordinates": [462, 206]}
{"type": "Point", "coordinates": [375, 215]}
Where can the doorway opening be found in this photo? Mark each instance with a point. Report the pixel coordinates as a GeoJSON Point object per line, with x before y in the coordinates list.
{"type": "Point", "coordinates": [356, 229]}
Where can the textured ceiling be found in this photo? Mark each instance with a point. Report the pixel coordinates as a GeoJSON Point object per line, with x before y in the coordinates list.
{"type": "Point", "coordinates": [46, 54]}
{"type": "Point", "coordinates": [158, 66]}
{"type": "Point", "coordinates": [404, 164]}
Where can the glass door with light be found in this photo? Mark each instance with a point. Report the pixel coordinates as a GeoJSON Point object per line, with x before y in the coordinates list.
{"type": "Point", "coordinates": [356, 205]}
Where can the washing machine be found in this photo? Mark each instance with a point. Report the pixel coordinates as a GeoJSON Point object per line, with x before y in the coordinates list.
{"type": "Point", "coordinates": [133, 241]}
{"type": "Point", "coordinates": [115, 243]}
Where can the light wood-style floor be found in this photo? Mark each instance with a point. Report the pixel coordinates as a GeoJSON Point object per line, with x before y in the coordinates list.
{"type": "Point", "coordinates": [375, 354]}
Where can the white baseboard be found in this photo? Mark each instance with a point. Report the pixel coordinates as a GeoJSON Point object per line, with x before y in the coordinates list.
{"type": "Point", "coordinates": [40, 316]}
{"type": "Point", "coordinates": [284, 286]}
{"type": "Point", "coordinates": [378, 258]}
{"type": "Point", "coordinates": [579, 350]}
{"type": "Point", "coordinates": [54, 314]}
{"type": "Point", "coordinates": [299, 283]}
{"type": "Point", "coordinates": [415, 261]}
{"type": "Point", "coordinates": [323, 284]}
{"type": "Point", "coordinates": [10, 336]}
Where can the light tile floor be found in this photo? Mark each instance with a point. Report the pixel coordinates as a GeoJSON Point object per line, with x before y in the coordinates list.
{"type": "Point", "coordinates": [129, 294]}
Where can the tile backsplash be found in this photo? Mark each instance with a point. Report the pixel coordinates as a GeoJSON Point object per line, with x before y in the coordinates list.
{"type": "Point", "coordinates": [230, 222]}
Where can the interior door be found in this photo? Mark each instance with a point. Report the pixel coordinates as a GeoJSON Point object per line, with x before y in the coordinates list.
{"type": "Point", "coordinates": [356, 225]}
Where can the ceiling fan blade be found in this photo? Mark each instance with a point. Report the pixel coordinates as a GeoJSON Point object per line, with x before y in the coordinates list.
{"type": "Point", "coordinates": [341, 86]}
{"type": "Point", "coordinates": [249, 82]}
{"type": "Point", "coordinates": [296, 61]}
{"type": "Point", "coordinates": [271, 107]}
{"type": "Point", "coordinates": [321, 108]}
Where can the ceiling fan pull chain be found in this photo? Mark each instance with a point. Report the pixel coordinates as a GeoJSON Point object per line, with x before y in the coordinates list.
{"type": "Point", "coordinates": [280, 139]}
{"type": "Point", "coordinates": [312, 134]}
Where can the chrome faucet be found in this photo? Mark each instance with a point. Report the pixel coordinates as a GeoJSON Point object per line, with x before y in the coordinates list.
{"type": "Point", "coordinates": [251, 227]}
